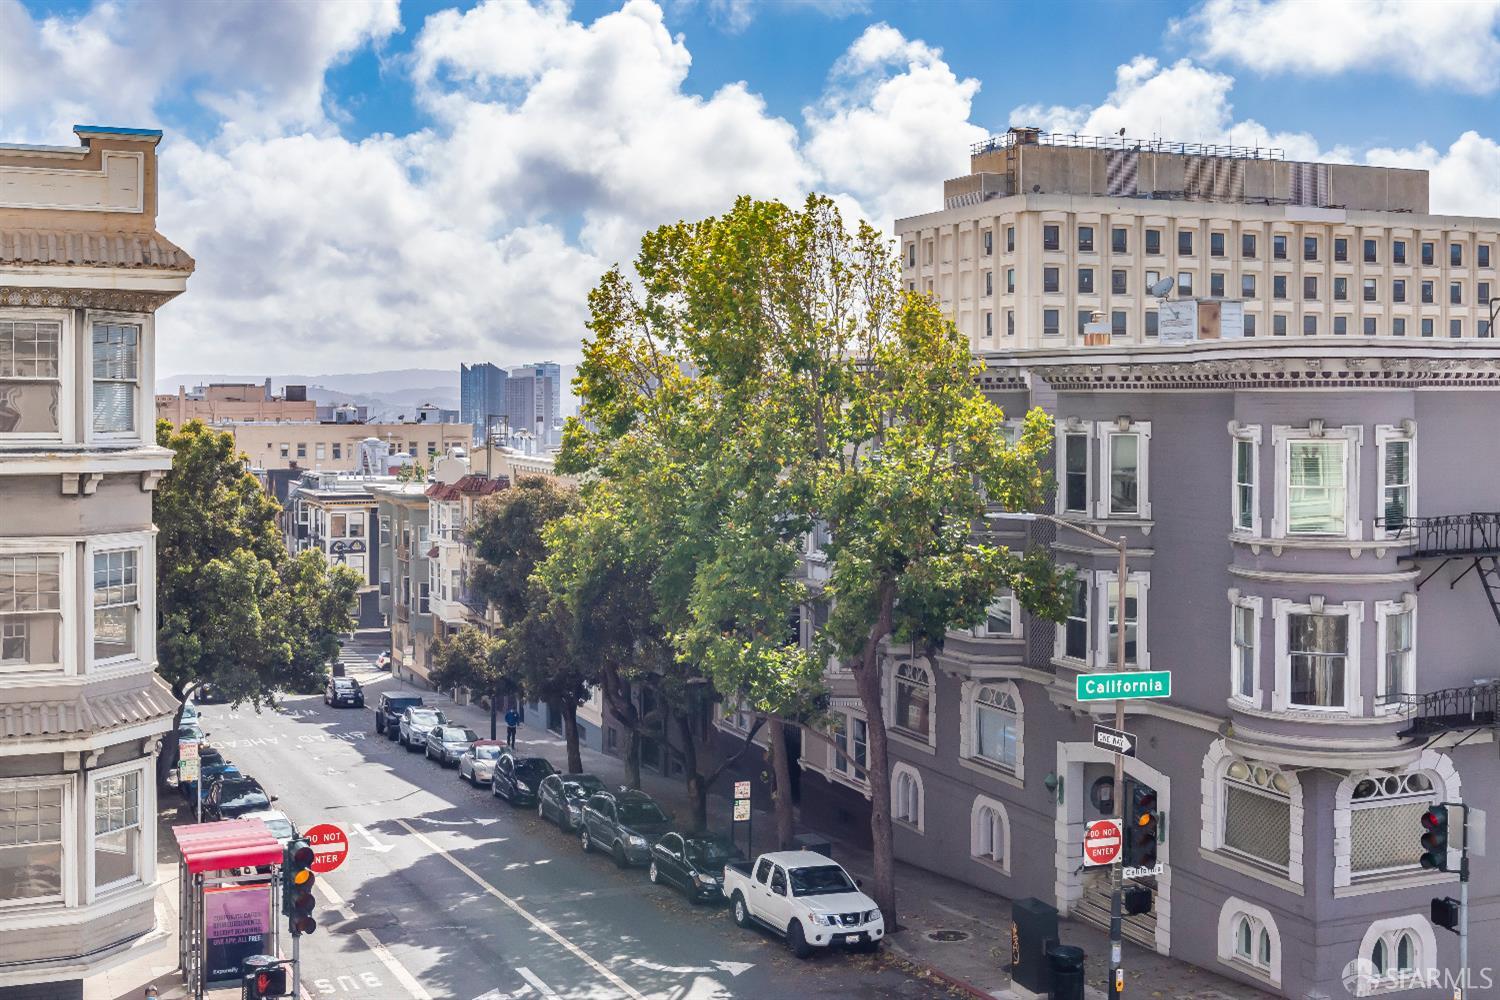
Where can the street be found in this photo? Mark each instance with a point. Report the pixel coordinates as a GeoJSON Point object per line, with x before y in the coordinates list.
{"type": "Point", "coordinates": [449, 892]}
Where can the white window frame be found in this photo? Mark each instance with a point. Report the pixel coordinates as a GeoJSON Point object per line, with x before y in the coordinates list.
{"type": "Point", "coordinates": [1384, 435]}
{"type": "Point", "coordinates": [1216, 765]}
{"type": "Point", "coordinates": [66, 550]}
{"type": "Point", "coordinates": [70, 840]}
{"type": "Point", "coordinates": [846, 773]}
{"type": "Point", "coordinates": [912, 736]}
{"type": "Point", "coordinates": [1255, 605]}
{"type": "Point", "coordinates": [1282, 609]}
{"type": "Point", "coordinates": [1390, 931]}
{"type": "Point", "coordinates": [146, 847]}
{"type": "Point", "coordinates": [1445, 786]}
{"type": "Point", "coordinates": [145, 402]}
{"type": "Point", "coordinates": [1241, 435]}
{"type": "Point", "coordinates": [67, 393]}
{"type": "Point", "coordinates": [1383, 611]}
{"type": "Point", "coordinates": [1005, 602]}
{"type": "Point", "coordinates": [1104, 500]}
{"type": "Point", "coordinates": [1060, 641]}
{"type": "Point", "coordinates": [1104, 646]}
{"type": "Point", "coordinates": [1282, 436]}
{"type": "Point", "coordinates": [101, 547]}
{"type": "Point", "coordinates": [1260, 919]}
{"type": "Point", "coordinates": [908, 799]}
{"type": "Point", "coordinates": [977, 852]}
{"type": "Point", "coordinates": [1085, 430]}
{"type": "Point", "coordinates": [968, 729]}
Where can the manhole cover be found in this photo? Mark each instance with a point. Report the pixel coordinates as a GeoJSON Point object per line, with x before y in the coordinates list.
{"type": "Point", "coordinates": [948, 935]}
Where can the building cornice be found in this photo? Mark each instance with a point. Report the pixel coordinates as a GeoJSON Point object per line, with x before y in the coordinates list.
{"type": "Point", "coordinates": [132, 296]}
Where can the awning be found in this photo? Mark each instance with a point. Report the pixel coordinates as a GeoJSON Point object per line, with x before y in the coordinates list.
{"type": "Point", "coordinates": [230, 843]}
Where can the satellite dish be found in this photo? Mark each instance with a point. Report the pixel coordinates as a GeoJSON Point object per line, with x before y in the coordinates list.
{"type": "Point", "coordinates": [1161, 288]}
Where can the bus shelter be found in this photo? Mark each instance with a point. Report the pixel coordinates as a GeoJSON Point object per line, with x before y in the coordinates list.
{"type": "Point", "coordinates": [227, 905]}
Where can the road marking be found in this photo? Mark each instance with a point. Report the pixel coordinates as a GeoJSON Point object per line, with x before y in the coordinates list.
{"type": "Point", "coordinates": [733, 968]}
{"type": "Point", "coordinates": [523, 912]}
{"type": "Point", "coordinates": [413, 988]}
{"type": "Point", "coordinates": [374, 844]}
{"type": "Point", "coordinates": [531, 978]}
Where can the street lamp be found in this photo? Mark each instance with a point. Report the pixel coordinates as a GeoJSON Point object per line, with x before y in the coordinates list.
{"type": "Point", "coordinates": [1116, 973]}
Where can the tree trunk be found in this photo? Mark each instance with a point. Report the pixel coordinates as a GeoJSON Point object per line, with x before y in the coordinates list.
{"type": "Point", "coordinates": [495, 713]}
{"type": "Point", "coordinates": [697, 786]}
{"type": "Point", "coordinates": [166, 758]}
{"type": "Point", "coordinates": [570, 734]}
{"type": "Point", "coordinates": [878, 769]}
{"type": "Point", "coordinates": [781, 772]}
{"type": "Point", "coordinates": [633, 757]}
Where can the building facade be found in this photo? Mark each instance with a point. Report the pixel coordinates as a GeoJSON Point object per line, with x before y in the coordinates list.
{"type": "Point", "coordinates": [333, 446]}
{"type": "Point", "coordinates": [482, 397]}
{"type": "Point", "coordinates": [1309, 553]}
{"type": "Point", "coordinates": [231, 402]}
{"type": "Point", "coordinates": [336, 515]}
{"type": "Point", "coordinates": [405, 597]}
{"type": "Point", "coordinates": [82, 274]}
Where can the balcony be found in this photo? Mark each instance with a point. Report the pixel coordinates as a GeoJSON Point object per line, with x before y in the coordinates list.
{"type": "Point", "coordinates": [1474, 707]}
{"type": "Point", "coordinates": [1460, 537]}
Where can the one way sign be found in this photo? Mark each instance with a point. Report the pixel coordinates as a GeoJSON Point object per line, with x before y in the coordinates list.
{"type": "Point", "coordinates": [1114, 740]}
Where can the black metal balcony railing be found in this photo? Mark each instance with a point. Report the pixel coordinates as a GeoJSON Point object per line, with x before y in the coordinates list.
{"type": "Point", "coordinates": [1451, 534]}
{"type": "Point", "coordinates": [1474, 707]}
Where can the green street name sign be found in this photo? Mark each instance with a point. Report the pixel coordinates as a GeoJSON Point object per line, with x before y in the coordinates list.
{"type": "Point", "coordinates": [1135, 684]}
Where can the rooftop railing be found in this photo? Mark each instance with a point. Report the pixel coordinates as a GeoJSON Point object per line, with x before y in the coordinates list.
{"type": "Point", "coordinates": [1009, 139]}
{"type": "Point", "coordinates": [1474, 707]}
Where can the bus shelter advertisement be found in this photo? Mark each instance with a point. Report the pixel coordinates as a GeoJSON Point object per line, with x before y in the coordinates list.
{"type": "Point", "coordinates": [236, 925]}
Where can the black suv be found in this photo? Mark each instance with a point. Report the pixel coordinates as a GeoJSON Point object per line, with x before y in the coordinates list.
{"type": "Point", "coordinates": [343, 691]}
{"type": "Point", "coordinates": [624, 823]}
{"type": "Point", "coordinates": [388, 712]}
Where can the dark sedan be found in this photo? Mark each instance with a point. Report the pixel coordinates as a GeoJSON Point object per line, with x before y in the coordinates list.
{"type": "Point", "coordinates": [624, 823]}
{"type": "Point", "coordinates": [516, 779]}
{"type": "Point", "coordinates": [561, 798]}
{"type": "Point", "coordinates": [694, 863]}
{"type": "Point", "coordinates": [344, 691]}
{"type": "Point", "coordinates": [232, 797]}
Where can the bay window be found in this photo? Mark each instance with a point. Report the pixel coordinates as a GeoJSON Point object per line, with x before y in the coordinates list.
{"type": "Point", "coordinates": [117, 830]}
{"type": "Point", "coordinates": [1137, 586]}
{"type": "Point", "coordinates": [1245, 508]}
{"type": "Point", "coordinates": [117, 603]}
{"type": "Point", "coordinates": [1245, 648]}
{"type": "Point", "coordinates": [31, 379]}
{"type": "Point", "coordinates": [1318, 472]}
{"type": "Point", "coordinates": [1000, 621]}
{"type": "Point", "coordinates": [1395, 630]}
{"type": "Point", "coordinates": [850, 745]}
{"type": "Point", "coordinates": [1317, 655]}
{"type": "Point", "coordinates": [1257, 814]}
{"type": "Point", "coordinates": [1075, 491]}
{"type": "Point", "coordinates": [913, 700]}
{"type": "Point", "coordinates": [30, 611]}
{"type": "Point", "coordinates": [1125, 458]}
{"type": "Point", "coordinates": [1075, 630]}
{"type": "Point", "coordinates": [1395, 447]}
{"type": "Point", "coordinates": [116, 360]}
{"type": "Point", "coordinates": [995, 718]}
{"type": "Point", "coordinates": [31, 842]}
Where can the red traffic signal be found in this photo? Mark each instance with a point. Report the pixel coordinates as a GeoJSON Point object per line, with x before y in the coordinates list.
{"type": "Point", "coordinates": [1435, 838]}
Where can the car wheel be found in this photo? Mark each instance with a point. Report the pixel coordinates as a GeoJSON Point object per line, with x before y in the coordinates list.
{"type": "Point", "coordinates": [583, 838]}
{"type": "Point", "coordinates": [740, 910]}
{"type": "Point", "coordinates": [652, 874]}
{"type": "Point", "coordinates": [621, 861]}
{"type": "Point", "coordinates": [797, 941]}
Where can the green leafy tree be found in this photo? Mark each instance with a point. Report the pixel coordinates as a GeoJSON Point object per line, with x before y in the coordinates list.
{"type": "Point", "coordinates": [773, 362]}
{"type": "Point", "coordinates": [412, 472]}
{"type": "Point", "coordinates": [234, 609]}
{"type": "Point", "coordinates": [473, 659]}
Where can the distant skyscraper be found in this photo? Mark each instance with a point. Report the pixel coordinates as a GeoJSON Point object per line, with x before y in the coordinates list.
{"type": "Point", "coordinates": [482, 395]}
{"type": "Point", "coordinates": [534, 401]}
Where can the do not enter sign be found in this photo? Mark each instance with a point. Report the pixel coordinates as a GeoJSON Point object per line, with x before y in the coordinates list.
{"type": "Point", "coordinates": [330, 847]}
{"type": "Point", "coordinates": [1101, 843]}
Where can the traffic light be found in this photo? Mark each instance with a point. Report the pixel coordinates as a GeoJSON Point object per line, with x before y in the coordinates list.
{"type": "Point", "coordinates": [1137, 900]}
{"type": "Point", "coordinates": [269, 983]}
{"type": "Point", "coordinates": [297, 880]}
{"type": "Point", "coordinates": [1142, 823]}
{"type": "Point", "coordinates": [1445, 912]}
{"type": "Point", "coordinates": [1435, 838]}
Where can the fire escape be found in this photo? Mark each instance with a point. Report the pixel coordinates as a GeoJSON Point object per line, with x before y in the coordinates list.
{"type": "Point", "coordinates": [1475, 539]}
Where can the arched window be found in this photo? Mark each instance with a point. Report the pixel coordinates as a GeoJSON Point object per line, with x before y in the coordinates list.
{"type": "Point", "coordinates": [1395, 955]}
{"type": "Point", "coordinates": [906, 797]}
{"type": "Point", "coordinates": [1249, 941]}
{"type": "Point", "coordinates": [989, 833]}
{"type": "Point", "coordinates": [913, 700]}
{"type": "Point", "coordinates": [995, 726]}
{"type": "Point", "coordinates": [1374, 810]}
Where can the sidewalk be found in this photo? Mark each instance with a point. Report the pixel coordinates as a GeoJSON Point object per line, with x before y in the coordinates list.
{"type": "Point", "coordinates": [953, 931]}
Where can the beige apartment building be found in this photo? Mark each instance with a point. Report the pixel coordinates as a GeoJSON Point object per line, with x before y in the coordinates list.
{"type": "Point", "coordinates": [230, 402]}
{"type": "Point", "coordinates": [333, 447]}
{"type": "Point", "coordinates": [82, 272]}
{"type": "Point", "coordinates": [1046, 230]}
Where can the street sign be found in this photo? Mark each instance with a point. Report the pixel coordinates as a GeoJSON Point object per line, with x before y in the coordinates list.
{"type": "Point", "coordinates": [1131, 684]}
{"type": "Point", "coordinates": [187, 751]}
{"type": "Point", "coordinates": [1142, 872]}
{"type": "Point", "coordinates": [741, 810]}
{"type": "Point", "coordinates": [330, 847]}
{"type": "Point", "coordinates": [1102, 842]}
{"type": "Point", "coordinates": [1114, 740]}
{"type": "Point", "coordinates": [187, 770]}
{"type": "Point", "coordinates": [742, 789]}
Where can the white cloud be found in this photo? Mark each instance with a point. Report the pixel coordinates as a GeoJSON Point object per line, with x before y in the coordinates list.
{"type": "Point", "coordinates": [1186, 102]}
{"type": "Point", "coordinates": [735, 16]}
{"type": "Point", "coordinates": [1452, 43]}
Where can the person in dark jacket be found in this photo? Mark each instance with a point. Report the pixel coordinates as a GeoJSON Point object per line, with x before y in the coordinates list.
{"type": "Point", "coordinates": [512, 720]}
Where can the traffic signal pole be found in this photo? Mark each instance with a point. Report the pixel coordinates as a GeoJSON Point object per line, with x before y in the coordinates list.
{"type": "Point", "coordinates": [1117, 878]}
{"type": "Point", "coordinates": [297, 966]}
{"type": "Point", "coordinates": [1463, 917]}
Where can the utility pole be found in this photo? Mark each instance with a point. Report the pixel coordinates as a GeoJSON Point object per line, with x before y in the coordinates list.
{"type": "Point", "coordinates": [1463, 918]}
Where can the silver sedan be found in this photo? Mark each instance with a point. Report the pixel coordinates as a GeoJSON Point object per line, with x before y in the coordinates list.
{"type": "Point", "coordinates": [447, 744]}
{"type": "Point", "coordinates": [477, 765]}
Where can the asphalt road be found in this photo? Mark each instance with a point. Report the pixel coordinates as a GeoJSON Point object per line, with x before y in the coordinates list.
{"type": "Point", "coordinates": [450, 893]}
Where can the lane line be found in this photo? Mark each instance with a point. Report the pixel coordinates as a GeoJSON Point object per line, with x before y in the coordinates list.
{"type": "Point", "coordinates": [521, 911]}
{"type": "Point", "coordinates": [531, 978]}
{"type": "Point", "coordinates": [393, 965]}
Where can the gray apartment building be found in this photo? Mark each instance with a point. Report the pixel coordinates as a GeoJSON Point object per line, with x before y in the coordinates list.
{"type": "Point", "coordinates": [1307, 473]}
{"type": "Point", "coordinates": [82, 273]}
{"type": "Point", "coordinates": [405, 594]}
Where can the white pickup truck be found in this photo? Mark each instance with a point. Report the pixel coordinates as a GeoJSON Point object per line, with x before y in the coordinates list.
{"type": "Point", "coordinates": [807, 898]}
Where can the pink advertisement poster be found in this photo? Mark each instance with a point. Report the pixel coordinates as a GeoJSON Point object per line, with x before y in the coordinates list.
{"type": "Point", "coordinates": [236, 924]}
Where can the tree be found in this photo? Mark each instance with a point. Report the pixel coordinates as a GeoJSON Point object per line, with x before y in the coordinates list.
{"type": "Point", "coordinates": [780, 376]}
{"type": "Point", "coordinates": [412, 472]}
{"type": "Point", "coordinates": [234, 608]}
{"type": "Point", "coordinates": [472, 658]}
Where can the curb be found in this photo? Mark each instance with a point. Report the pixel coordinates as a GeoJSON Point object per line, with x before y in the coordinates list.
{"type": "Point", "coordinates": [946, 978]}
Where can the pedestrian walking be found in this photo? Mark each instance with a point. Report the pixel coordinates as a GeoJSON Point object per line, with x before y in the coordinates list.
{"type": "Point", "coordinates": [512, 720]}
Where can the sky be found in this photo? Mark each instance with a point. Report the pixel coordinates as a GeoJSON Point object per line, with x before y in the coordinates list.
{"type": "Point", "coordinates": [374, 184]}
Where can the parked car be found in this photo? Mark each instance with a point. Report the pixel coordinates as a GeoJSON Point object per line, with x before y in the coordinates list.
{"type": "Point", "coordinates": [516, 779]}
{"type": "Point", "coordinates": [806, 897]}
{"type": "Point", "coordinates": [416, 723]}
{"type": "Point", "coordinates": [477, 764]}
{"type": "Point", "coordinates": [344, 691]}
{"type": "Point", "coordinates": [446, 744]}
{"type": "Point", "coordinates": [190, 732]}
{"type": "Point", "coordinates": [624, 823]}
{"type": "Point", "coordinates": [211, 764]}
{"type": "Point", "coordinates": [232, 796]}
{"type": "Point", "coordinates": [207, 694]}
{"type": "Point", "coordinates": [383, 661]}
{"type": "Point", "coordinates": [278, 822]}
{"type": "Point", "coordinates": [189, 713]}
{"type": "Point", "coordinates": [388, 712]}
{"type": "Point", "coordinates": [561, 798]}
{"type": "Point", "coordinates": [694, 863]}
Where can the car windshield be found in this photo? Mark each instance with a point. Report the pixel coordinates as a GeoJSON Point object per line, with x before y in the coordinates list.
{"type": "Point", "coordinates": [581, 786]}
{"type": "Point", "coordinates": [427, 717]}
{"type": "Point", "coordinates": [533, 769]}
{"type": "Point", "coordinates": [341, 684]}
{"type": "Point", "coordinates": [242, 797]}
{"type": "Point", "coordinates": [709, 853]}
{"type": "Point", "coordinates": [397, 704]}
{"type": "Point", "coordinates": [189, 731]}
{"type": "Point", "coordinates": [636, 813]}
{"type": "Point", "coordinates": [486, 753]}
{"type": "Point", "coordinates": [459, 736]}
{"type": "Point", "coordinates": [823, 880]}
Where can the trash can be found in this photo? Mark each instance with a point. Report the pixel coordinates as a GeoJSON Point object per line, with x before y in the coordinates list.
{"type": "Point", "coordinates": [1066, 962]}
{"type": "Point", "coordinates": [338, 668]}
{"type": "Point", "coordinates": [815, 842]}
{"type": "Point", "coordinates": [1033, 926]}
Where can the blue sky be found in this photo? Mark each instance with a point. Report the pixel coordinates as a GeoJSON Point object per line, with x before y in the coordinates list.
{"type": "Point", "coordinates": [370, 184]}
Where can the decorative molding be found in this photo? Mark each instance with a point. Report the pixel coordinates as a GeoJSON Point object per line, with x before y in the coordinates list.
{"type": "Point", "coordinates": [1304, 578]}
{"type": "Point", "coordinates": [1275, 373]}
{"type": "Point", "coordinates": [112, 299]}
{"type": "Point", "coordinates": [81, 483]}
{"type": "Point", "coordinates": [150, 480]}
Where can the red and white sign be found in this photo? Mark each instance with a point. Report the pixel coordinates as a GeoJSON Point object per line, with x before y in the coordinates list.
{"type": "Point", "coordinates": [329, 844]}
{"type": "Point", "coordinates": [1102, 842]}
